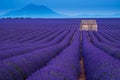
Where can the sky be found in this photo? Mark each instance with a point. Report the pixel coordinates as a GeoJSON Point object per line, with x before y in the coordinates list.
{"type": "Point", "coordinates": [69, 7]}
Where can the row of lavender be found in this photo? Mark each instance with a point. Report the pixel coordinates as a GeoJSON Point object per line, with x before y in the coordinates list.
{"type": "Point", "coordinates": [40, 53]}
{"type": "Point", "coordinates": [64, 66]}
{"type": "Point", "coordinates": [101, 51]}
{"type": "Point", "coordinates": [99, 65]}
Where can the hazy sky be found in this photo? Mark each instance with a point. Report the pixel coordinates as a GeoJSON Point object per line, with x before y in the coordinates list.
{"type": "Point", "coordinates": [70, 7]}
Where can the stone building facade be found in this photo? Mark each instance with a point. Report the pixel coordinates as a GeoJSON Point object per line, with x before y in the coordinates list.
{"type": "Point", "coordinates": [88, 25]}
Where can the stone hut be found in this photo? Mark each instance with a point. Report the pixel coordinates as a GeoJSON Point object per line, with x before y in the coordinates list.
{"type": "Point", "coordinates": [88, 25]}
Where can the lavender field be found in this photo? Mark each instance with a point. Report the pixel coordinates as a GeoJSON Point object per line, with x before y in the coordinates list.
{"type": "Point", "coordinates": [56, 49]}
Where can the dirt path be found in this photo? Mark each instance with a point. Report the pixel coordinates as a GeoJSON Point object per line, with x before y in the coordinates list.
{"type": "Point", "coordinates": [82, 76]}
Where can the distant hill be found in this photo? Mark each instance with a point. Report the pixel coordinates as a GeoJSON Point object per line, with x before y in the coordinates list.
{"type": "Point", "coordinates": [34, 11]}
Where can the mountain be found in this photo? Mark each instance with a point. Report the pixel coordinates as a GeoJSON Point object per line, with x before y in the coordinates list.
{"type": "Point", "coordinates": [34, 11]}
